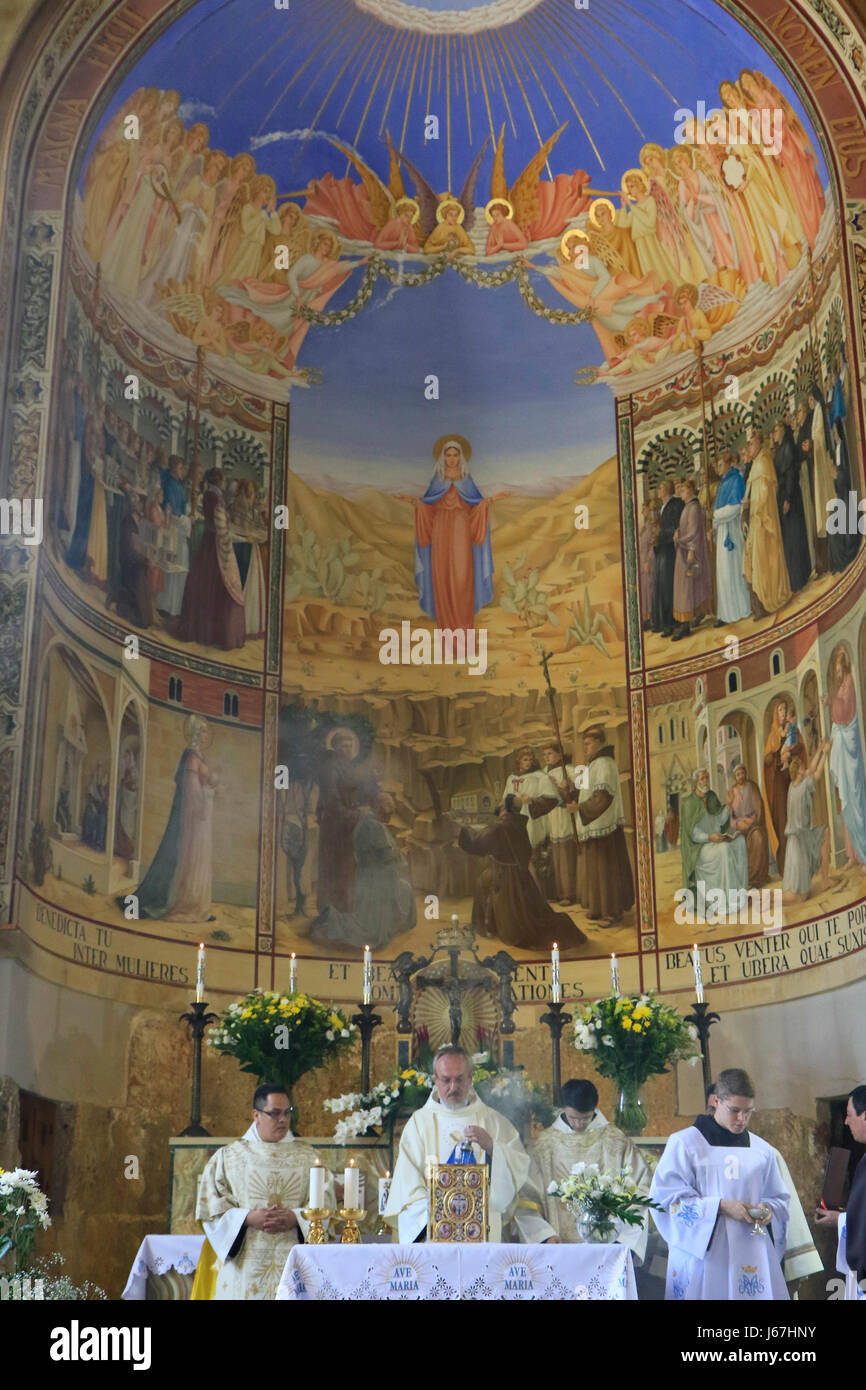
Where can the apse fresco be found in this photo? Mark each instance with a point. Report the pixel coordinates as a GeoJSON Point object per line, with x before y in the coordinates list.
{"type": "Point", "coordinates": [452, 404]}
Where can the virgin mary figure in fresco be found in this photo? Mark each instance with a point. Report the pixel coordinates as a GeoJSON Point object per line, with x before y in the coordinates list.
{"type": "Point", "coordinates": [453, 560]}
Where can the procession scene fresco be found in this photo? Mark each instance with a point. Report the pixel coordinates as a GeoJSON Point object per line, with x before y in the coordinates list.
{"type": "Point", "coordinates": [288, 293]}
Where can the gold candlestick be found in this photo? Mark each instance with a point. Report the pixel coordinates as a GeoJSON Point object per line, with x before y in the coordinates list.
{"type": "Point", "coordinates": [316, 1216]}
{"type": "Point", "coordinates": [351, 1216]}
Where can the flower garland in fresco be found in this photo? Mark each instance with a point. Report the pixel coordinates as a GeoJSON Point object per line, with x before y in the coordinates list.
{"type": "Point", "coordinates": [483, 279]}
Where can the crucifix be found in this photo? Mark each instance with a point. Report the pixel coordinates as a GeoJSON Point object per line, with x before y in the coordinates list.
{"type": "Point", "coordinates": [551, 695]}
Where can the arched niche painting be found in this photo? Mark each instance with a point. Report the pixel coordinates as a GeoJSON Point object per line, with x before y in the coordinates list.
{"type": "Point", "coordinates": [72, 778]}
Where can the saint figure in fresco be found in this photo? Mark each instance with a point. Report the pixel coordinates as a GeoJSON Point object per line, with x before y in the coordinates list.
{"type": "Point", "coordinates": [178, 885]}
{"type": "Point", "coordinates": [453, 559]}
{"type": "Point", "coordinates": [344, 790]}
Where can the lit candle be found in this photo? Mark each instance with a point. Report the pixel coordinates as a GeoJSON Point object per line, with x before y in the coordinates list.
{"type": "Point", "coordinates": [555, 986]}
{"type": "Point", "coordinates": [352, 1187]}
{"type": "Point", "coordinates": [293, 973]}
{"type": "Point", "coordinates": [317, 1186]}
{"type": "Point", "coordinates": [614, 974]}
{"type": "Point", "coordinates": [699, 979]}
{"type": "Point", "coordinates": [199, 974]}
{"type": "Point", "coordinates": [368, 975]}
{"type": "Point", "coordinates": [384, 1189]}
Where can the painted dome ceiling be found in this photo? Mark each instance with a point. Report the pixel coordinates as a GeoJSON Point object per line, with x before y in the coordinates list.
{"type": "Point", "coordinates": [614, 74]}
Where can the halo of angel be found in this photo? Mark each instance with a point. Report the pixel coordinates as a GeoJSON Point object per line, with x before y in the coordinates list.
{"type": "Point", "coordinates": [203, 240]}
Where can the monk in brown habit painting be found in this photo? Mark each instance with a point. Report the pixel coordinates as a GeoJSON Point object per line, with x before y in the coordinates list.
{"type": "Point", "coordinates": [508, 902]}
{"type": "Point", "coordinates": [343, 789]}
{"type": "Point", "coordinates": [783, 741]}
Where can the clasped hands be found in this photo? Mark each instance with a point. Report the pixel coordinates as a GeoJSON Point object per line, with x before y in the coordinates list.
{"type": "Point", "coordinates": [739, 1211]}
{"type": "Point", "coordinates": [272, 1220]}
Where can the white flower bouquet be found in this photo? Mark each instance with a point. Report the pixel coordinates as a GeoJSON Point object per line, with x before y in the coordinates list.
{"type": "Point", "coordinates": [23, 1211]}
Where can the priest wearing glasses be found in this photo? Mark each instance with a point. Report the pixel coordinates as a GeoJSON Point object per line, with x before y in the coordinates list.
{"type": "Point", "coordinates": [251, 1196]}
{"type": "Point", "coordinates": [724, 1206]}
{"type": "Point", "coordinates": [455, 1126]}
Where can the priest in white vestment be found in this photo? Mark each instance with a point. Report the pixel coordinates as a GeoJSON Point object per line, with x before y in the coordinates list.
{"type": "Point", "coordinates": [435, 1134]}
{"type": "Point", "coordinates": [724, 1207]}
{"type": "Point", "coordinates": [579, 1134]}
{"type": "Point", "coordinates": [250, 1198]}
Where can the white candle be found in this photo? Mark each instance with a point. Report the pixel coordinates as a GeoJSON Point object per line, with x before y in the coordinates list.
{"type": "Point", "coordinates": [351, 1187]}
{"type": "Point", "coordinates": [199, 974]}
{"type": "Point", "coordinates": [384, 1189]}
{"type": "Point", "coordinates": [555, 986]}
{"type": "Point", "coordinates": [368, 975]}
{"type": "Point", "coordinates": [293, 973]}
{"type": "Point", "coordinates": [614, 974]}
{"type": "Point", "coordinates": [699, 979]}
{"type": "Point", "coordinates": [317, 1186]}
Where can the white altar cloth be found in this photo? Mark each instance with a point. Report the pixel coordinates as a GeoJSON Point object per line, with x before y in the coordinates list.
{"type": "Point", "coordinates": [156, 1255]}
{"type": "Point", "coordinates": [480, 1272]}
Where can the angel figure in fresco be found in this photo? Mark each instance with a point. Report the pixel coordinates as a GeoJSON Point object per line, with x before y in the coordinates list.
{"type": "Point", "coordinates": [178, 886]}
{"type": "Point", "coordinates": [225, 227]}
{"type": "Point", "coordinates": [765, 202]}
{"type": "Point", "coordinates": [311, 281]}
{"type": "Point", "coordinates": [504, 234]}
{"type": "Point", "coordinates": [184, 257]}
{"type": "Point", "coordinates": [125, 238]}
{"type": "Point", "coordinates": [639, 213]}
{"type": "Point", "coordinates": [398, 233]}
{"type": "Point", "coordinates": [108, 169]}
{"type": "Point", "coordinates": [542, 208]}
{"type": "Point", "coordinates": [601, 220]}
{"type": "Point", "coordinates": [590, 276]}
{"type": "Point", "coordinates": [673, 234]}
{"type": "Point", "coordinates": [704, 213]}
{"type": "Point", "coordinates": [796, 158]}
{"type": "Point", "coordinates": [448, 235]}
{"type": "Point", "coordinates": [453, 558]}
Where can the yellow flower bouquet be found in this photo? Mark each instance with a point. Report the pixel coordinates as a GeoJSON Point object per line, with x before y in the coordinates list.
{"type": "Point", "coordinates": [279, 1037]}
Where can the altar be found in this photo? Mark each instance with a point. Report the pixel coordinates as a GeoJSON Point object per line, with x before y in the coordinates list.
{"type": "Point", "coordinates": [440, 1272]}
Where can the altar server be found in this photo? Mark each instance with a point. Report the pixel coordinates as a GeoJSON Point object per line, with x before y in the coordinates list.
{"type": "Point", "coordinates": [436, 1133]}
{"type": "Point", "coordinates": [800, 1258]}
{"type": "Point", "coordinates": [250, 1199]}
{"type": "Point", "coordinates": [851, 1223]}
{"type": "Point", "coordinates": [724, 1207]}
{"type": "Point", "coordinates": [579, 1134]}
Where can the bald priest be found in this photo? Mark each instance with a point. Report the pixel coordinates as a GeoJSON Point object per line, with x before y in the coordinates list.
{"type": "Point", "coordinates": [454, 1123]}
{"type": "Point", "coordinates": [250, 1199]}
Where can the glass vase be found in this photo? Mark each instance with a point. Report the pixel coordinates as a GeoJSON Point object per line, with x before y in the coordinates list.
{"type": "Point", "coordinates": [629, 1115]}
{"type": "Point", "coordinates": [596, 1230]}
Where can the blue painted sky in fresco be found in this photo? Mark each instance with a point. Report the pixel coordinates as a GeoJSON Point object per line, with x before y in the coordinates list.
{"type": "Point", "coordinates": [506, 376]}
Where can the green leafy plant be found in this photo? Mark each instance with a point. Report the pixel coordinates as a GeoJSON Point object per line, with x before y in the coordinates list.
{"type": "Point", "coordinates": [521, 595]}
{"type": "Point", "coordinates": [585, 627]}
{"type": "Point", "coordinates": [329, 571]}
{"type": "Point", "coordinates": [88, 885]}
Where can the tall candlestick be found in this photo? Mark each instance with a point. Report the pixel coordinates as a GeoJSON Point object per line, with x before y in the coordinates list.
{"type": "Point", "coordinates": [293, 973]}
{"type": "Point", "coordinates": [368, 975]}
{"type": "Point", "coordinates": [317, 1186]}
{"type": "Point", "coordinates": [614, 974]}
{"type": "Point", "coordinates": [699, 979]}
{"type": "Point", "coordinates": [351, 1187]}
{"type": "Point", "coordinates": [199, 974]}
{"type": "Point", "coordinates": [555, 985]}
